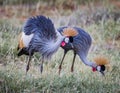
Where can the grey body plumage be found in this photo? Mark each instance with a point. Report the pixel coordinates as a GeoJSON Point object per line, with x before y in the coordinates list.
{"type": "Point", "coordinates": [45, 36]}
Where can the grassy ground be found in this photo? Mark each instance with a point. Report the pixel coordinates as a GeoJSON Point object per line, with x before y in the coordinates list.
{"type": "Point", "coordinates": [106, 42]}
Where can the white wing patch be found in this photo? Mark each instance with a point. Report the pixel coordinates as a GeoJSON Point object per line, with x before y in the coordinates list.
{"type": "Point", "coordinates": [26, 38]}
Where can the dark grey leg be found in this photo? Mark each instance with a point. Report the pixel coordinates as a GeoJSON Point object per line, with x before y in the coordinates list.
{"type": "Point", "coordinates": [60, 66]}
{"type": "Point", "coordinates": [72, 67]}
{"type": "Point", "coordinates": [28, 64]}
{"type": "Point", "coordinates": [41, 67]}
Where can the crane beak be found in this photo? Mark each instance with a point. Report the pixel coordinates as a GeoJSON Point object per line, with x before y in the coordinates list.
{"type": "Point", "coordinates": [101, 69]}
{"type": "Point", "coordinates": [102, 72]}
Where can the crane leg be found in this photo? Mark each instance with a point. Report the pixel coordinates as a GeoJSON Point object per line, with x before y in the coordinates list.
{"type": "Point", "coordinates": [72, 67]}
{"type": "Point", "coordinates": [60, 66]}
{"type": "Point", "coordinates": [28, 64]}
{"type": "Point", "coordinates": [41, 67]}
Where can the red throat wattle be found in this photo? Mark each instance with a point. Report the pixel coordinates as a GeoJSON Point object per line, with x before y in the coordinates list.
{"type": "Point", "coordinates": [63, 44]}
{"type": "Point", "coordinates": [93, 69]}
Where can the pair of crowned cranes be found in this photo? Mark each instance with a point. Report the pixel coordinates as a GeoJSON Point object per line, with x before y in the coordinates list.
{"type": "Point", "coordinates": [39, 35]}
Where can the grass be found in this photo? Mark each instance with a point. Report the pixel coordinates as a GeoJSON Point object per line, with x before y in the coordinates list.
{"type": "Point", "coordinates": [13, 78]}
{"type": "Point", "coordinates": [53, 2]}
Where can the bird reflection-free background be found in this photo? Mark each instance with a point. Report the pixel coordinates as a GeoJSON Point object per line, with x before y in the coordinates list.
{"type": "Point", "coordinates": [100, 18]}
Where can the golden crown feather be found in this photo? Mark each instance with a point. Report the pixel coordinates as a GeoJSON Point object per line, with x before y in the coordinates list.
{"type": "Point", "coordinates": [69, 31]}
{"type": "Point", "coordinates": [100, 60]}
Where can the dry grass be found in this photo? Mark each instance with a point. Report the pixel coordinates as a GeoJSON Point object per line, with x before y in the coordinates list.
{"type": "Point", "coordinates": [13, 78]}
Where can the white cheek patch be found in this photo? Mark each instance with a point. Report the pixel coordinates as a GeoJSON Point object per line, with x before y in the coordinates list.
{"type": "Point", "coordinates": [26, 38]}
{"type": "Point", "coordinates": [98, 68]}
{"type": "Point", "coordinates": [66, 40]}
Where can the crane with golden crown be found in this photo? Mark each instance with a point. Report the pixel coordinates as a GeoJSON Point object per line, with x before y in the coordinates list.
{"type": "Point", "coordinates": [79, 41]}
{"type": "Point", "coordinates": [39, 35]}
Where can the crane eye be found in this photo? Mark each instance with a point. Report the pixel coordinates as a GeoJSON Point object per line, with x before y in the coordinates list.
{"type": "Point", "coordinates": [66, 40]}
{"type": "Point", "coordinates": [102, 68]}
{"type": "Point", "coordinates": [71, 39]}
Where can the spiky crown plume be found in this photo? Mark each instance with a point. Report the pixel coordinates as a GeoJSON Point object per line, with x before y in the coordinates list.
{"type": "Point", "coordinates": [100, 60]}
{"type": "Point", "coordinates": [69, 32]}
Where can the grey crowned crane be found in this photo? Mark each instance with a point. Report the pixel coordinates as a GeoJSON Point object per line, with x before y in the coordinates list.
{"type": "Point", "coordinates": [39, 35]}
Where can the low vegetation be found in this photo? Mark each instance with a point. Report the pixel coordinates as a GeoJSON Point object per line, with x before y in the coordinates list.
{"type": "Point", "coordinates": [106, 42]}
